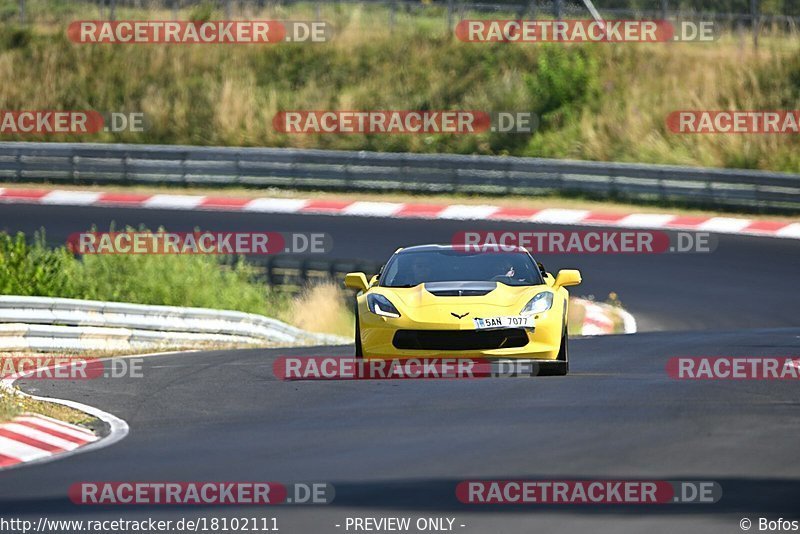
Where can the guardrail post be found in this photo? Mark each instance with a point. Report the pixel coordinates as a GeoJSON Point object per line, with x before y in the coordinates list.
{"type": "Point", "coordinates": [72, 166]}
{"type": "Point", "coordinates": [238, 162]}
{"type": "Point", "coordinates": [346, 175]}
{"type": "Point", "coordinates": [268, 260]}
{"type": "Point", "coordinates": [711, 199]}
{"type": "Point", "coordinates": [22, 11]}
{"type": "Point", "coordinates": [449, 16]}
{"type": "Point", "coordinates": [183, 167]}
{"type": "Point", "coordinates": [754, 16]}
{"type": "Point", "coordinates": [454, 179]}
{"type": "Point", "coordinates": [664, 9]}
{"type": "Point", "coordinates": [332, 270]}
{"type": "Point", "coordinates": [558, 9]}
{"type": "Point", "coordinates": [18, 162]}
{"type": "Point", "coordinates": [293, 171]}
{"type": "Point", "coordinates": [613, 192]}
{"type": "Point", "coordinates": [507, 178]}
{"type": "Point", "coordinates": [303, 273]}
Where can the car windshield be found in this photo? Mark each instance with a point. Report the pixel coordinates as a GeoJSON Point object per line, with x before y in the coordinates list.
{"type": "Point", "coordinates": [413, 267]}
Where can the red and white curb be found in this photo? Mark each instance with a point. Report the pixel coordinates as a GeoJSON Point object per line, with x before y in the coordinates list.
{"type": "Point", "coordinates": [726, 225]}
{"type": "Point", "coordinates": [32, 437]}
{"type": "Point", "coordinates": [21, 444]}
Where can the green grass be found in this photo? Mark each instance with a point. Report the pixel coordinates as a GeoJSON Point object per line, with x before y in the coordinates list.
{"type": "Point", "coordinates": [597, 101]}
{"type": "Point", "coordinates": [176, 280]}
{"type": "Point", "coordinates": [9, 408]}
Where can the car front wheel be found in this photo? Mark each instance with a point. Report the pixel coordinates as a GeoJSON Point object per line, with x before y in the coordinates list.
{"type": "Point", "coordinates": [560, 367]}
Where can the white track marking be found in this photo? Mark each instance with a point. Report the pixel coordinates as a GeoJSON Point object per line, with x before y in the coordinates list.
{"type": "Point", "coordinates": [275, 205]}
{"type": "Point", "coordinates": [180, 202]}
{"type": "Point", "coordinates": [71, 198]}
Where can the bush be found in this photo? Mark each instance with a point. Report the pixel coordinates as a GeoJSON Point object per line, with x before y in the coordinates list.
{"type": "Point", "coordinates": [564, 81]}
{"type": "Point", "coordinates": [31, 269]}
{"type": "Point", "coordinates": [12, 37]}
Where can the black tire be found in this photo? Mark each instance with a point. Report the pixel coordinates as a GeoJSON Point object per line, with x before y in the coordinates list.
{"type": "Point", "coordinates": [359, 351]}
{"type": "Point", "coordinates": [560, 367]}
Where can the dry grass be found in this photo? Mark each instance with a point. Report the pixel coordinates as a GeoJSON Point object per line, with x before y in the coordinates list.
{"type": "Point", "coordinates": [577, 311]}
{"type": "Point", "coordinates": [13, 405]}
{"type": "Point", "coordinates": [575, 316]}
{"type": "Point", "coordinates": [323, 309]}
{"type": "Point", "coordinates": [228, 95]}
{"type": "Point", "coordinates": [644, 86]}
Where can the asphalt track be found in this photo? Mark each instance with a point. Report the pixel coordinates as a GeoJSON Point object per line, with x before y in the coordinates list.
{"type": "Point", "coordinates": [746, 282]}
{"type": "Point", "coordinates": [400, 447]}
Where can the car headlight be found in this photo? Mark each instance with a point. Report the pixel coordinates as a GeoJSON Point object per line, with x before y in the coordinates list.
{"type": "Point", "coordinates": [380, 305]}
{"type": "Point", "coordinates": [538, 304]}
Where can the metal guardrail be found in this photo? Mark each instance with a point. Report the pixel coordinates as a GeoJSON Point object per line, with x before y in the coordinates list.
{"type": "Point", "coordinates": [45, 323]}
{"type": "Point", "coordinates": [332, 170]}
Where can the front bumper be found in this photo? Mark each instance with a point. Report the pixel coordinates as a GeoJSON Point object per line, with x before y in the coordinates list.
{"type": "Point", "coordinates": [378, 335]}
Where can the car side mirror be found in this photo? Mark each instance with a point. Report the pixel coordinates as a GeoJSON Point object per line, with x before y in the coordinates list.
{"type": "Point", "coordinates": [567, 277]}
{"type": "Point", "coordinates": [356, 281]}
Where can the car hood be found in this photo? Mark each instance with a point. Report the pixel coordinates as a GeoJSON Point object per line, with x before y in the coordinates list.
{"type": "Point", "coordinates": [462, 295]}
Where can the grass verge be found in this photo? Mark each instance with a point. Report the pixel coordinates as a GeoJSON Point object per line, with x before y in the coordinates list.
{"type": "Point", "coordinates": [33, 269]}
{"type": "Point", "coordinates": [12, 405]}
{"type": "Point", "coordinates": [30, 268]}
{"type": "Point", "coordinates": [595, 101]}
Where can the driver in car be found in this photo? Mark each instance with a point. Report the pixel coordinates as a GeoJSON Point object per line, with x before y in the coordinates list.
{"type": "Point", "coordinates": [421, 271]}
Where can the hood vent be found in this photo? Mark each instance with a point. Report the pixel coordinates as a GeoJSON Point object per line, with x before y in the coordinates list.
{"type": "Point", "coordinates": [460, 289]}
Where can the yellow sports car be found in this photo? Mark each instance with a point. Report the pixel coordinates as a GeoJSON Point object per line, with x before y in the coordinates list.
{"type": "Point", "coordinates": [432, 301]}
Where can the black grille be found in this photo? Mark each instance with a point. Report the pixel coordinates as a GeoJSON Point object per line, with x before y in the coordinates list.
{"type": "Point", "coordinates": [460, 289]}
{"type": "Point", "coordinates": [502, 338]}
{"type": "Point", "coordinates": [459, 292]}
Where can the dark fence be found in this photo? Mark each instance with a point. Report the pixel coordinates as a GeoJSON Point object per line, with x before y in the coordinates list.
{"type": "Point", "coordinates": [734, 14]}
{"type": "Point", "coordinates": [293, 274]}
{"type": "Point", "coordinates": [331, 170]}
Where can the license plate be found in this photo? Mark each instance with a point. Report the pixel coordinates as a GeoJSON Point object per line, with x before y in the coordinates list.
{"type": "Point", "coordinates": [515, 321]}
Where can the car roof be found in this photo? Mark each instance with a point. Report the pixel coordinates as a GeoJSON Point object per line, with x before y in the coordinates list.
{"type": "Point", "coordinates": [429, 248]}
